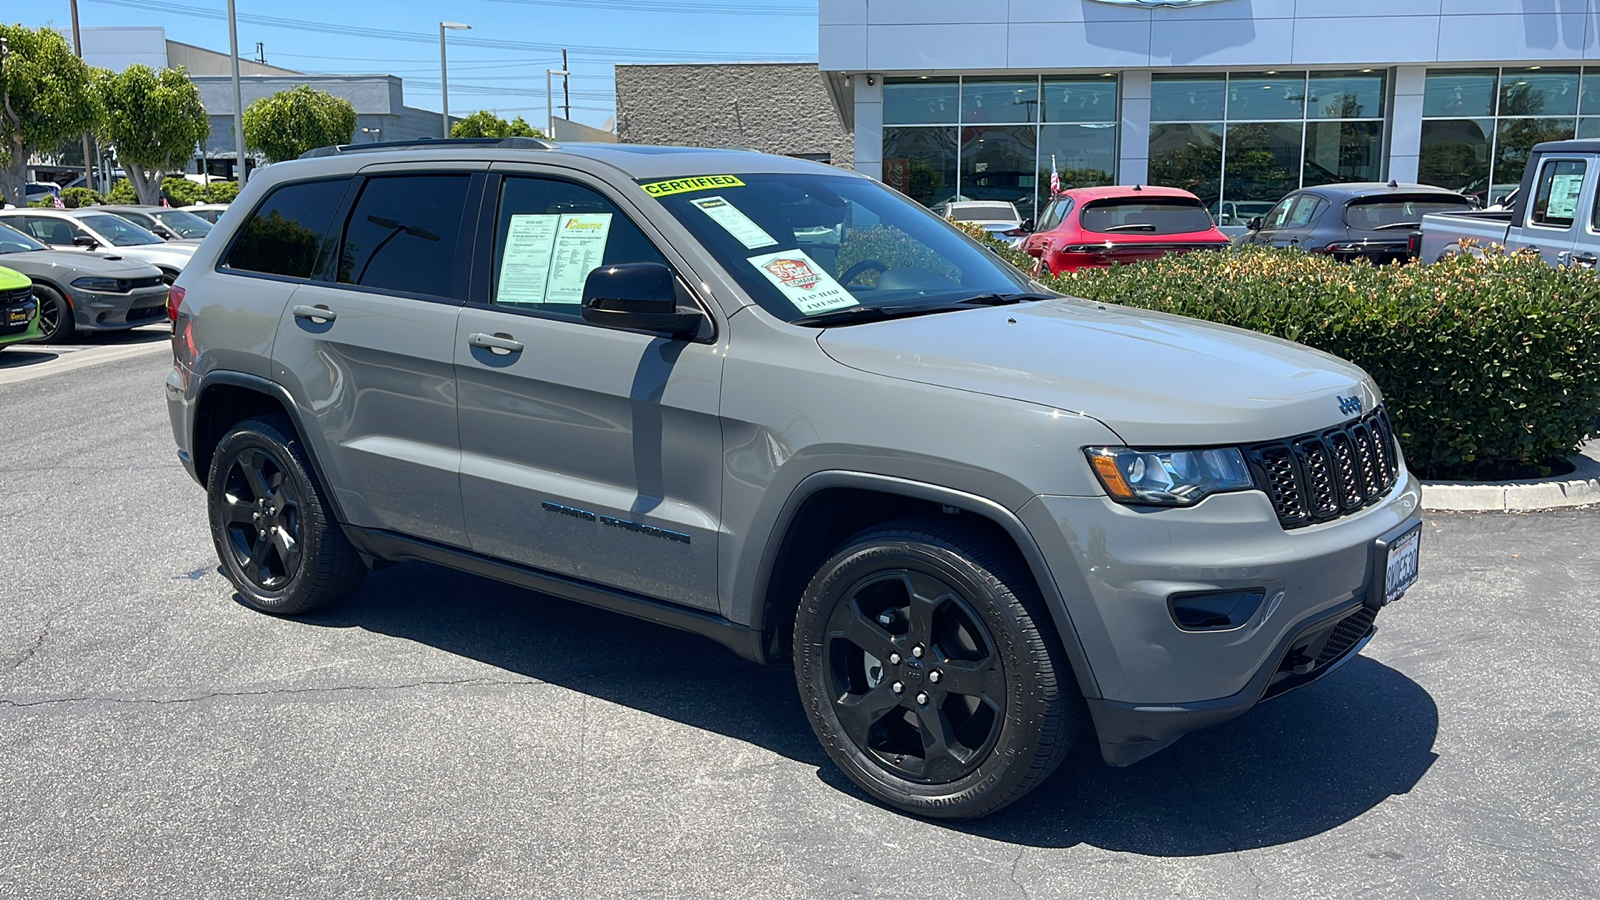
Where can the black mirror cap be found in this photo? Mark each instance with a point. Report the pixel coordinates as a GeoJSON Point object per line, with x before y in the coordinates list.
{"type": "Point", "coordinates": [1254, 224]}
{"type": "Point", "coordinates": [1027, 225]}
{"type": "Point", "coordinates": [640, 296]}
{"type": "Point", "coordinates": [83, 240]}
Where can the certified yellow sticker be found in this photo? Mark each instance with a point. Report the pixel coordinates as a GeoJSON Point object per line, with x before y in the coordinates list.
{"type": "Point", "coordinates": [684, 185]}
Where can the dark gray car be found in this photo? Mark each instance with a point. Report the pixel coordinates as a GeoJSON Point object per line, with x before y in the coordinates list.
{"type": "Point", "coordinates": [80, 291]}
{"type": "Point", "coordinates": [1368, 221]}
{"type": "Point", "coordinates": [787, 408]}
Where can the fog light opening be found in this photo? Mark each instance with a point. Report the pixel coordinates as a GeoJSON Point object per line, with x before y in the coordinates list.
{"type": "Point", "coordinates": [1215, 610]}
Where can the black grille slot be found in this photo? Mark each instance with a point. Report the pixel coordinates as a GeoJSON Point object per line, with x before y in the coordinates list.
{"type": "Point", "coordinates": [152, 281]}
{"type": "Point", "coordinates": [1321, 476]}
{"type": "Point", "coordinates": [15, 296]}
{"type": "Point", "coordinates": [1351, 629]}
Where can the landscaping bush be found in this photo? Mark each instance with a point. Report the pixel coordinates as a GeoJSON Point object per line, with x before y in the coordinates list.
{"type": "Point", "coordinates": [181, 191]}
{"type": "Point", "coordinates": [78, 197]}
{"type": "Point", "coordinates": [122, 193]}
{"type": "Point", "coordinates": [220, 192]}
{"type": "Point", "coordinates": [1489, 368]}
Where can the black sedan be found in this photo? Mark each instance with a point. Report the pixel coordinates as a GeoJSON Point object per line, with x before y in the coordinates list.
{"type": "Point", "coordinates": [1361, 220]}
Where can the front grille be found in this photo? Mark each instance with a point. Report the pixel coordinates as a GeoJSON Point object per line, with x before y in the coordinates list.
{"type": "Point", "coordinates": [153, 281]}
{"type": "Point", "coordinates": [147, 314]}
{"type": "Point", "coordinates": [1327, 474]}
{"type": "Point", "coordinates": [16, 296]}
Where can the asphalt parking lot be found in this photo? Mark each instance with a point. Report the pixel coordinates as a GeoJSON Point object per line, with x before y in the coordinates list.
{"type": "Point", "coordinates": [442, 735]}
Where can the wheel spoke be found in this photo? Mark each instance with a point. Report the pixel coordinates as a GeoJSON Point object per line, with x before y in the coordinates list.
{"type": "Point", "coordinates": [288, 548]}
{"type": "Point", "coordinates": [939, 759]}
{"type": "Point", "coordinates": [859, 712]}
{"type": "Point", "coordinates": [922, 609]}
{"type": "Point", "coordinates": [980, 678]}
{"type": "Point", "coordinates": [252, 463]}
{"type": "Point", "coordinates": [865, 634]}
{"type": "Point", "coordinates": [238, 512]}
{"type": "Point", "coordinates": [254, 566]}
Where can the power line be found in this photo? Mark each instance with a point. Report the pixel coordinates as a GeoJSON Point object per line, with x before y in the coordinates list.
{"type": "Point", "coordinates": [720, 9]}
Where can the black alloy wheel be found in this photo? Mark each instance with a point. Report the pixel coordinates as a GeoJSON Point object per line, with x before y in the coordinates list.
{"type": "Point", "coordinates": [55, 316]}
{"type": "Point", "coordinates": [930, 670]}
{"type": "Point", "coordinates": [274, 533]}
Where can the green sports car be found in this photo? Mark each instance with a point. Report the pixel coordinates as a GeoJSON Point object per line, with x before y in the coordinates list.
{"type": "Point", "coordinates": [19, 313]}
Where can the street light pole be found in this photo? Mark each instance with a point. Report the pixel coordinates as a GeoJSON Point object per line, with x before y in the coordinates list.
{"type": "Point", "coordinates": [77, 47]}
{"type": "Point", "coordinates": [550, 98]}
{"type": "Point", "coordinates": [444, 77]}
{"type": "Point", "coordinates": [238, 105]}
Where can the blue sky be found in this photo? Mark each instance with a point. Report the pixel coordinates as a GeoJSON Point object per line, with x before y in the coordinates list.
{"type": "Point", "coordinates": [500, 64]}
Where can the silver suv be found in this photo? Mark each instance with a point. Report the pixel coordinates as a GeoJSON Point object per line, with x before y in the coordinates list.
{"type": "Point", "coordinates": [786, 408]}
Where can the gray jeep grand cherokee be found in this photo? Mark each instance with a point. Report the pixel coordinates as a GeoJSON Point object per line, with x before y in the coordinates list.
{"type": "Point", "coordinates": [784, 407]}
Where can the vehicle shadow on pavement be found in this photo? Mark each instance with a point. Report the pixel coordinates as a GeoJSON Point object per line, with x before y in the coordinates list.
{"type": "Point", "coordinates": [1298, 766]}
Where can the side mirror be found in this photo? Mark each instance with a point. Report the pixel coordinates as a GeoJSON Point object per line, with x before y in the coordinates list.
{"type": "Point", "coordinates": [1027, 225]}
{"type": "Point", "coordinates": [1254, 224]}
{"type": "Point", "coordinates": [85, 241]}
{"type": "Point", "coordinates": [640, 296]}
{"type": "Point", "coordinates": [163, 233]}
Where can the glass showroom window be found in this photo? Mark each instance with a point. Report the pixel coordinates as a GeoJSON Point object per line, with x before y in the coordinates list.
{"type": "Point", "coordinates": [992, 138]}
{"type": "Point", "coordinates": [1241, 141]}
{"type": "Point", "coordinates": [1478, 125]}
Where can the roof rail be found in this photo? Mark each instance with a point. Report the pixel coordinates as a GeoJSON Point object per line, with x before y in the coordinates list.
{"type": "Point", "coordinates": [510, 143]}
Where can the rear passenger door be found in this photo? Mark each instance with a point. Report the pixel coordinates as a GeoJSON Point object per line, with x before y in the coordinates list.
{"type": "Point", "coordinates": [586, 450]}
{"type": "Point", "coordinates": [1559, 192]}
{"type": "Point", "coordinates": [368, 346]}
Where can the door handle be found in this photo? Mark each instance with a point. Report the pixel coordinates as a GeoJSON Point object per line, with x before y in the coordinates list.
{"type": "Point", "coordinates": [1584, 260]}
{"type": "Point", "coordinates": [495, 343]}
{"type": "Point", "coordinates": [318, 313]}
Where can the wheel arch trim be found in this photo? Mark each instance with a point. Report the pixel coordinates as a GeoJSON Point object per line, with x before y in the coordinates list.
{"type": "Point", "coordinates": [997, 513]}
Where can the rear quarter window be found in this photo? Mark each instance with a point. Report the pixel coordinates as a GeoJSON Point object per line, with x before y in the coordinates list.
{"type": "Point", "coordinates": [283, 235]}
{"type": "Point", "coordinates": [1139, 215]}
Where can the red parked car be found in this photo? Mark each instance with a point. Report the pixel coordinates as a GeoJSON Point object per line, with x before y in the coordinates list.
{"type": "Point", "coordinates": [1103, 226]}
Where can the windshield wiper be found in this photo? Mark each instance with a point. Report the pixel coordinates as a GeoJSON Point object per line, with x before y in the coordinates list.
{"type": "Point", "coordinates": [857, 315]}
{"type": "Point", "coordinates": [1397, 225]}
{"type": "Point", "coordinates": [1136, 227]}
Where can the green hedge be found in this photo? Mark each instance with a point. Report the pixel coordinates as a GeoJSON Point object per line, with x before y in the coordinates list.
{"type": "Point", "coordinates": [1489, 368]}
{"type": "Point", "coordinates": [77, 197]}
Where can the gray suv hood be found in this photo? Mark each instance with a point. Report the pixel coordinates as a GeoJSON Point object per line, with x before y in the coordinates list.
{"type": "Point", "coordinates": [1155, 379]}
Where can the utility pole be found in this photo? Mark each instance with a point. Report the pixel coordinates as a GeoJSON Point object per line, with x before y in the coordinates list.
{"type": "Point", "coordinates": [566, 94]}
{"type": "Point", "coordinates": [238, 105]}
{"type": "Point", "coordinates": [444, 76]}
{"type": "Point", "coordinates": [77, 47]}
{"type": "Point", "coordinates": [261, 53]}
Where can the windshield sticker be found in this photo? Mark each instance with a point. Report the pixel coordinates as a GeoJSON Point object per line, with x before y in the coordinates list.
{"type": "Point", "coordinates": [548, 257]}
{"type": "Point", "coordinates": [807, 285]}
{"type": "Point", "coordinates": [684, 185]}
{"type": "Point", "coordinates": [1564, 191]}
{"type": "Point", "coordinates": [736, 223]}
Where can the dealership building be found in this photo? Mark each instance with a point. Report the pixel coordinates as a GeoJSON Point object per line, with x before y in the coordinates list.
{"type": "Point", "coordinates": [1239, 101]}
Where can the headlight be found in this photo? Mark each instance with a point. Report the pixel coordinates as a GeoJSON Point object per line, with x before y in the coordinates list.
{"type": "Point", "coordinates": [104, 285]}
{"type": "Point", "coordinates": [1169, 477]}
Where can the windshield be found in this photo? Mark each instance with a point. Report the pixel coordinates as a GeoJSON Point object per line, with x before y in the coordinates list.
{"type": "Point", "coordinates": [183, 224]}
{"type": "Point", "coordinates": [984, 213]}
{"type": "Point", "coordinates": [1140, 215]}
{"type": "Point", "coordinates": [120, 232]}
{"type": "Point", "coordinates": [1375, 215]}
{"type": "Point", "coordinates": [14, 241]}
{"type": "Point", "coordinates": [804, 244]}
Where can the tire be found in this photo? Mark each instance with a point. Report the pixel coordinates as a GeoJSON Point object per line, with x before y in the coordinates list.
{"type": "Point", "coordinates": [275, 536]}
{"type": "Point", "coordinates": [55, 316]}
{"type": "Point", "coordinates": [981, 717]}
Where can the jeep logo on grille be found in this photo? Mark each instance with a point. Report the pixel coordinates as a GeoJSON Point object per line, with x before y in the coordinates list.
{"type": "Point", "coordinates": [1349, 405]}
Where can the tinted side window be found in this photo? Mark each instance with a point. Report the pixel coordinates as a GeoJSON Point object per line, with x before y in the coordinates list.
{"type": "Point", "coordinates": [1279, 214]}
{"type": "Point", "coordinates": [1303, 211]}
{"type": "Point", "coordinates": [551, 235]}
{"type": "Point", "coordinates": [282, 236]}
{"type": "Point", "coordinates": [403, 232]}
{"type": "Point", "coordinates": [1555, 202]}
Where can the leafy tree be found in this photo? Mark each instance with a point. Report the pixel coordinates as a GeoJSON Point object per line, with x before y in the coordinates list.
{"type": "Point", "coordinates": [154, 119]}
{"type": "Point", "coordinates": [302, 118]}
{"type": "Point", "coordinates": [486, 124]}
{"type": "Point", "coordinates": [46, 96]}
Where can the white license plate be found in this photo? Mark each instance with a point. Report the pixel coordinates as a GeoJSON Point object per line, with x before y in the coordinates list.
{"type": "Point", "coordinates": [1400, 569]}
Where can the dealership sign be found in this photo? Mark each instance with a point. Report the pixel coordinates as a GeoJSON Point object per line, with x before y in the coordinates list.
{"type": "Point", "coordinates": [1165, 4]}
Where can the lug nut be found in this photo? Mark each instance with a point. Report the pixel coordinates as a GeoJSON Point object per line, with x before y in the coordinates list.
{"type": "Point", "coordinates": [934, 676]}
{"type": "Point", "coordinates": [917, 651]}
{"type": "Point", "coordinates": [897, 687]}
{"type": "Point", "coordinates": [894, 659]}
{"type": "Point", "coordinates": [922, 699]}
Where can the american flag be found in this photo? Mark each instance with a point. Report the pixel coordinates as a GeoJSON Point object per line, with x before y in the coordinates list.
{"type": "Point", "coordinates": [1055, 178]}
{"type": "Point", "coordinates": [58, 204]}
{"type": "Point", "coordinates": [164, 202]}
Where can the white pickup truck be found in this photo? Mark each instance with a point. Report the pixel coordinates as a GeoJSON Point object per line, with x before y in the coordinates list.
{"type": "Point", "coordinates": [1555, 212]}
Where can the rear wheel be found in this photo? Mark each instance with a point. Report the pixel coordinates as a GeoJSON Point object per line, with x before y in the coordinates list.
{"type": "Point", "coordinates": [929, 670]}
{"type": "Point", "coordinates": [55, 316]}
{"type": "Point", "coordinates": [275, 537]}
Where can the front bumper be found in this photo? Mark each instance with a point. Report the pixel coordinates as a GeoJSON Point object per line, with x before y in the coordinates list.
{"type": "Point", "coordinates": [94, 311]}
{"type": "Point", "coordinates": [1117, 566]}
{"type": "Point", "coordinates": [26, 330]}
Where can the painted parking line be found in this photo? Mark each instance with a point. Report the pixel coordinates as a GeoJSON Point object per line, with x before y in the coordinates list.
{"type": "Point", "coordinates": [70, 360]}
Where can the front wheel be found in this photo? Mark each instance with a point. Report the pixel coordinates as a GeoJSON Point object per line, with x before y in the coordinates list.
{"type": "Point", "coordinates": [276, 539]}
{"type": "Point", "coordinates": [929, 670]}
{"type": "Point", "coordinates": [55, 316]}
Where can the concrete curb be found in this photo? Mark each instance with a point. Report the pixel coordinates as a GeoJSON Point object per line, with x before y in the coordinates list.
{"type": "Point", "coordinates": [1580, 488]}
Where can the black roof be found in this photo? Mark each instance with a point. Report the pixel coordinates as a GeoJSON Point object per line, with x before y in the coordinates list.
{"type": "Point", "coordinates": [1353, 189]}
